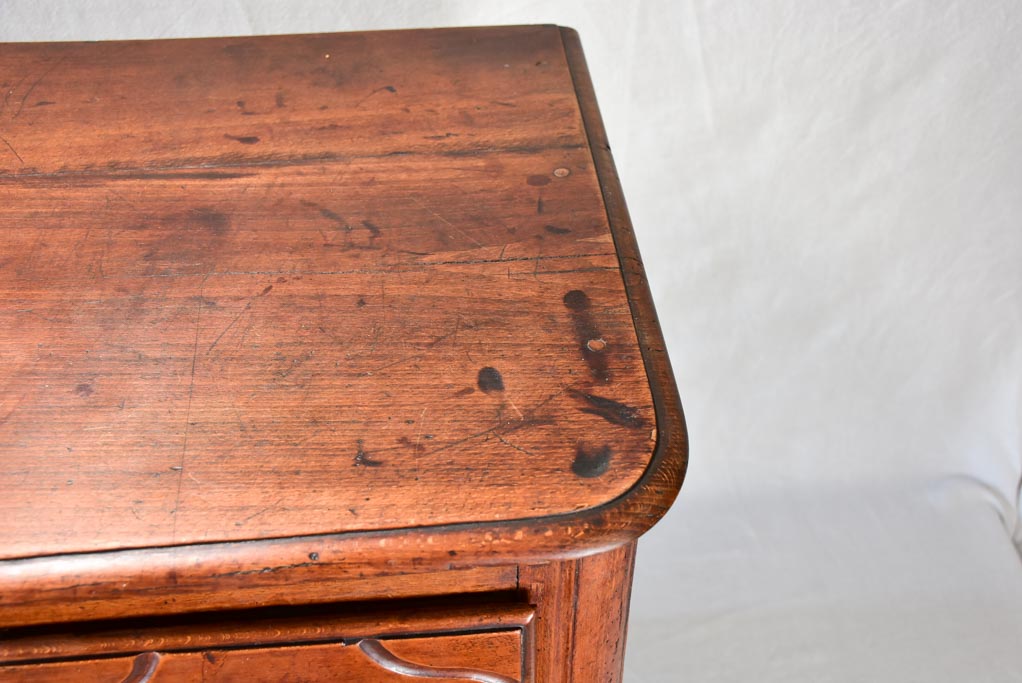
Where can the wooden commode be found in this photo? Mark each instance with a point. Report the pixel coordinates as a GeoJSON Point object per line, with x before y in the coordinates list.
{"type": "Point", "coordinates": [322, 358]}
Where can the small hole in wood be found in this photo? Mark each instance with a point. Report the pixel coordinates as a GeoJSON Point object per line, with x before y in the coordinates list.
{"type": "Point", "coordinates": [596, 345]}
{"type": "Point", "coordinates": [562, 172]}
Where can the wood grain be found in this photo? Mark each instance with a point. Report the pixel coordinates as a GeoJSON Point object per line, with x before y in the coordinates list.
{"type": "Point", "coordinates": [223, 323]}
{"type": "Point", "coordinates": [283, 328]}
{"type": "Point", "coordinates": [582, 615]}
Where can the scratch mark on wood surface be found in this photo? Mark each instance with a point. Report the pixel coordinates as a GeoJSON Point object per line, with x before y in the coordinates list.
{"type": "Point", "coordinates": [11, 91]}
{"type": "Point", "coordinates": [21, 105]}
{"type": "Point", "coordinates": [79, 246]}
{"type": "Point", "coordinates": [13, 151]}
{"type": "Point", "coordinates": [453, 334]}
{"type": "Point", "coordinates": [382, 88]}
{"type": "Point", "coordinates": [504, 428]}
{"type": "Point", "coordinates": [418, 428]}
{"type": "Point", "coordinates": [261, 511]}
{"type": "Point", "coordinates": [227, 329]}
{"type": "Point", "coordinates": [446, 222]}
{"type": "Point", "coordinates": [515, 408]}
{"type": "Point", "coordinates": [385, 366]}
{"type": "Point", "coordinates": [188, 407]}
{"type": "Point", "coordinates": [102, 255]}
{"type": "Point", "coordinates": [48, 319]}
{"type": "Point", "coordinates": [512, 445]}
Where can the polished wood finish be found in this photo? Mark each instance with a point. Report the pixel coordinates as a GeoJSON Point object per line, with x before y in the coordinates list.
{"type": "Point", "coordinates": [316, 320]}
{"type": "Point", "coordinates": [331, 335]}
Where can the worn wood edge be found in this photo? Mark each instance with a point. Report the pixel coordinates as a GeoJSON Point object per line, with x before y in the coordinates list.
{"type": "Point", "coordinates": [660, 483]}
{"type": "Point", "coordinates": [58, 582]}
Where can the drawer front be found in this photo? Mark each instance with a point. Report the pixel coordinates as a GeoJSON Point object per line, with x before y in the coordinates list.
{"type": "Point", "coordinates": [490, 657]}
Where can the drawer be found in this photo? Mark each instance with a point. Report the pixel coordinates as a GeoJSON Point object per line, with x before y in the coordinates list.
{"type": "Point", "coordinates": [493, 657]}
{"type": "Point", "coordinates": [486, 643]}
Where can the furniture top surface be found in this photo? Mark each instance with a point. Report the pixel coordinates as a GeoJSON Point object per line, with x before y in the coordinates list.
{"type": "Point", "coordinates": [281, 286]}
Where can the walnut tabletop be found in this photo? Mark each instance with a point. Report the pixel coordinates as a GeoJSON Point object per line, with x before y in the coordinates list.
{"type": "Point", "coordinates": [351, 298]}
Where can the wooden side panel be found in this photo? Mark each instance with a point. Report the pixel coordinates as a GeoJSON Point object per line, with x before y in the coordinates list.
{"type": "Point", "coordinates": [601, 618]}
{"type": "Point", "coordinates": [581, 616]}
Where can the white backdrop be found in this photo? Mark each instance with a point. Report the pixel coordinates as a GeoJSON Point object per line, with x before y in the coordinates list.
{"type": "Point", "coordinates": [828, 197]}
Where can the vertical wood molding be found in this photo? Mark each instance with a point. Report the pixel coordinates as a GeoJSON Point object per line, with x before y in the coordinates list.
{"type": "Point", "coordinates": [581, 615]}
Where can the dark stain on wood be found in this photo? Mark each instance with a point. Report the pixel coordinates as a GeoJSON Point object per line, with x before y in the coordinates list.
{"type": "Point", "coordinates": [84, 390]}
{"type": "Point", "coordinates": [490, 380]}
{"type": "Point", "coordinates": [538, 180]}
{"type": "Point", "coordinates": [555, 230]}
{"type": "Point", "coordinates": [610, 410]}
{"type": "Point", "coordinates": [577, 300]}
{"type": "Point", "coordinates": [180, 243]}
{"type": "Point", "coordinates": [327, 213]}
{"type": "Point", "coordinates": [408, 443]}
{"type": "Point", "coordinates": [216, 222]}
{"type": "Point", "coordinates": [243, 139]}
{"type": "Point", "coordinates": [580, 306]}
{"type": "Point", "coordinates": [465, 392]}
{"type": "Point", "coordinates": [591, 463]}
{"type": "Point", "coordinates": [204, 301]}
{"type": "Point", "coordinates": [374, 231]}
{"type": "Point", "coordinates": [363, 459]}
